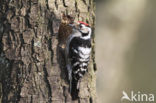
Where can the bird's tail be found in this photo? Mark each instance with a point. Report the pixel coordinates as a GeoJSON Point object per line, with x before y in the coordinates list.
{"type": "Point", "coordinates": [74, 89]}
{"type": "Point", "coordinates": [74, 84]}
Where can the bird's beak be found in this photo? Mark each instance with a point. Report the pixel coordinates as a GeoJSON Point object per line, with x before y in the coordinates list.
{"type": "Point", "coordinates": [74, 25]}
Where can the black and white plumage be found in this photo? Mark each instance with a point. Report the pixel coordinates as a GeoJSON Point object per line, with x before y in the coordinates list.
{"type": "Point", "coordinates": [78, 50]}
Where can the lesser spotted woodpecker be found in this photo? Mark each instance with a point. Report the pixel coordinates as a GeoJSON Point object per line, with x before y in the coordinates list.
{"type": "Point", "coordinates": [78, 50]}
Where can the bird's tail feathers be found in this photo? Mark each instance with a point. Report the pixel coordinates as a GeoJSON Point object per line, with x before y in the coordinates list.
{"type": "Point", "coordinates": [74, 89]}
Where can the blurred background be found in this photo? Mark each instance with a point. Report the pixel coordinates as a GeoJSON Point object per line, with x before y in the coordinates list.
{"type": "Point", "coordinates": [125, 48]}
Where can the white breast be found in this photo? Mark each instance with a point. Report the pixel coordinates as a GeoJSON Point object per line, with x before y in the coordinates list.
{"type": "Point", "coordinates": [84, 50]}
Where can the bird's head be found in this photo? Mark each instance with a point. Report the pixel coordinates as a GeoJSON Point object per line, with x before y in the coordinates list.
{"type": "Point", "coordinates": [84, 28]}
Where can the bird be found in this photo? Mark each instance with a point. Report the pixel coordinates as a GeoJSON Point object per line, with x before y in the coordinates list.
{"type": "Point", "coordinates": [77, 54]}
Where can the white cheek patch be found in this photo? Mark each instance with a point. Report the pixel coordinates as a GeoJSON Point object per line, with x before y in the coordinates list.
{"type": "Point", "coordinates": [84, 30]}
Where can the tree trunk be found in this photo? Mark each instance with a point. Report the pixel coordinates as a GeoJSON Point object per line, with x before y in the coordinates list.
{"type": "Point", "coordinates": [32, 66]}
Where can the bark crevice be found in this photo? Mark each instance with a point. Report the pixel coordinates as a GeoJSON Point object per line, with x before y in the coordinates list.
{"type": "Point", "coordinates": [48, 84]}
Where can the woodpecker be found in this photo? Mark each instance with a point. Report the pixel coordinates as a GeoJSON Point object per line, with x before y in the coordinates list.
{"type": "Point", "coordinates": [78, 50]}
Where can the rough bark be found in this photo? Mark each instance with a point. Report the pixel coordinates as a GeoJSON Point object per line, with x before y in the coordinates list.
{"type": "Point", "coordinates": [32, 66]}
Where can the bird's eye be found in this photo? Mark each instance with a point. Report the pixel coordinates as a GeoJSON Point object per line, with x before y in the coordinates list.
{"type": "Point", "coordinates": [80, 26]}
